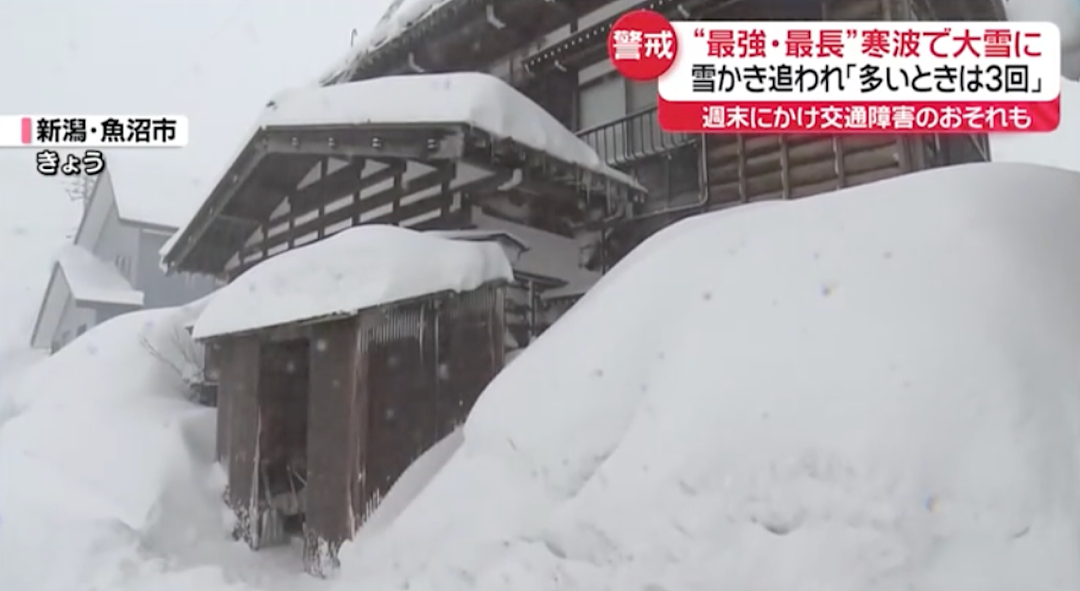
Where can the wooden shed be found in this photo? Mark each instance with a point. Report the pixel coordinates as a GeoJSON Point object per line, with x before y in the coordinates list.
{"type": "Point", "coordinates": [318, 416]}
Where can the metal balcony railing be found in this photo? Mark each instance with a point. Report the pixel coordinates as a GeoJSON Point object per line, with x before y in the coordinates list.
{"type": "Point", "coordinates": [633, 137]}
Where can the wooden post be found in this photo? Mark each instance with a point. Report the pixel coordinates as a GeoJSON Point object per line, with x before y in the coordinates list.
{"type": "Point", "coordinates": [334, 444]}
{"type": "Point", "coordinates": [239, 386]}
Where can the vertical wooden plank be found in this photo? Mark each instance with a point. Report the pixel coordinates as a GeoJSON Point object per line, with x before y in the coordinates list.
{"type": "Point", "coordinates": [216, 352]}
{"type": "Point", "coordinates": [332, 444]}
{"type": "Point", "coordinates": [240, 386]}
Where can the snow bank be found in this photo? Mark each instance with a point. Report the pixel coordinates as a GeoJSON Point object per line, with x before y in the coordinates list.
{"type": "Point", "coordinates": [869, 390]}
{"type": "Point", "coordinates": [106, 467]}
{"type": "Point", "coordinates": [1059, 148]}
{"type": "Point", "coordinates": [475, 98]}
{"type": "Point", "coordinates": [358, 268]}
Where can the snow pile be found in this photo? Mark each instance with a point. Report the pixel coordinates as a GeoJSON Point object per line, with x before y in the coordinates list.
{"type": "Point", "coordinates": [869, 390]}
{"type": "Point", "coordinates": [93, 280]}
{"type": "Point", "coordinates": [356, 269]}
{"type": "Point", "coordinates": [107, 468]}
{"type": "Point", "coordinates": [475, 98]}
{"type": "Point", "coordinates": [1060, 148]}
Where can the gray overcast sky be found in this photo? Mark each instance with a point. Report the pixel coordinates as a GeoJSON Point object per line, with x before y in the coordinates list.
{"type": "Point", "coordinates": [216, 61]}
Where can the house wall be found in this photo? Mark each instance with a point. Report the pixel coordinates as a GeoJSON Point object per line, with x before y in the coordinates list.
{"type": "Point", "coordinates": [117, 244]}
{"type": "Point", "coordinates": [61, 319]}
{"type": "Point", "coordinates": [161, 290]}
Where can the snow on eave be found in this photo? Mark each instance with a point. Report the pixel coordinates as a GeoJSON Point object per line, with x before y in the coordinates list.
{"type": "Point", "coordinates": [477, 99]}
{"type": "Point", "coordinates": [356, 269]}
{"type": "Point", "coordinates": [399, 18]}
{"type": "Point", "coordinates": [93, 280]}
{"type": "Point", "coordinates": [480, 234]}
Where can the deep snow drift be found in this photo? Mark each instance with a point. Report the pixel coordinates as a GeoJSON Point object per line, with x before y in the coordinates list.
{"type": "Point", "coordinates": [107, 469]}
{"type": "Point", "coordinates": [869, 390]}
{"type": "Point", "coordinates": [872, 390]}
{"type": "Point", "coordinates": [1060, 148]}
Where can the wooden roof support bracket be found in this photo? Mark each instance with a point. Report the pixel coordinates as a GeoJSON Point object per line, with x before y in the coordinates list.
{"type": "Point", "coordinates": [412, 142]}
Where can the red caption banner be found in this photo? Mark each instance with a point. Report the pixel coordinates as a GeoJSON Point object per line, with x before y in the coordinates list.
{"type": "Point", "coordinates": [844, 77]}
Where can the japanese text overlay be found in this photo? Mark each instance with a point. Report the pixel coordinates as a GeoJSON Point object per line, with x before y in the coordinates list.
{"type": "Point", "coordinates": [93, 131]}
{"type": "Point", "coordinates": [846, 77]}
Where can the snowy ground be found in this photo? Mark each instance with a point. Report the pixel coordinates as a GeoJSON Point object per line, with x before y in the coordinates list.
{"type": "Point", "coordinates": [873, 390]}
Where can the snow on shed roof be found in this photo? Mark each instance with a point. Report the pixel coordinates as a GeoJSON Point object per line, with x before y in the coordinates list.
{"type": "Point", "coordinates": [474, 98]}
{"type": "Point", "coordinates": [93, 280]}
{"type": "Point", "coordinates": [549, 255]}
{"type": "Point", "coordinates": [356, 269]}
{"type": "Point", "coordinates": [398, 18]}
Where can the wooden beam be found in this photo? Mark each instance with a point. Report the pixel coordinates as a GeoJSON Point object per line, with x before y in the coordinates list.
{"type": "Point", "coordinates": [442, 200]}
{"type": "Point", "coordinates": [421, 143]}
{"type": "Point", "coordinates": [415, 185]}
{"type": "Point", "coordinates": [225, 188]}
{"type": "Point", "coordinates": [337, 185]}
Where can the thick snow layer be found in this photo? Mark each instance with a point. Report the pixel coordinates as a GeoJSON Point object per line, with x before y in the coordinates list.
{"type": "Point", "coordinates": [94, 280]}
{"type": "Point", "coordinates": [549, 255]}
{"type": "Point", "coordinates": [1060, 148]}
{"type": "Point", "coordinates": [358, 268]}
{"type": "Point", "coordinates": [105, 465]}
{"type": "Point", "coordinates": [399, 16]}
{"type": "Point", "coordinates": [869, 390]}
{"type": "Point", "coordinates": [475, 98]}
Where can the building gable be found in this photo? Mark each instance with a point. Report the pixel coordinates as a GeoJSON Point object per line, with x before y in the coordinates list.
{"type": "Point", "coordinates": [100, 205]}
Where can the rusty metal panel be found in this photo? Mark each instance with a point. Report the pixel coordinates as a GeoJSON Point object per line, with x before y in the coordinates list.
{"type": "Point", "coordinates": [333, 443]}
{"type": "Point", "coordinates": [400, 356]}
{"type": "Point", "coordinates": [238, 386]}
{"type": "Point", "coordinates": [470, 350]}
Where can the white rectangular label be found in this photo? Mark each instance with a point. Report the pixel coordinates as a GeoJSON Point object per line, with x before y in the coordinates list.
{"type": "Point", "coordinates": [94, 131]}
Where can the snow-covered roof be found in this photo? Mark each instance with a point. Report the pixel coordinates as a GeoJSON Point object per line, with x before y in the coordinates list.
{"type": "Point", "coordinates": [149, 193]}
{"type": "Point", "coordinates": [1059, 148]}
{"type": "Point", "coordinates": [474, 98]}
{"type": "Point", "coordinates": [478, 234]}
{"type": "Point", "coordinates": [93, 280]}
{"type": "Point", "coordinates": [356, 269]}
{"type": "Point", "coordinates": [398, 18]}
{"type": "Point", "coordinates": [549, 255]}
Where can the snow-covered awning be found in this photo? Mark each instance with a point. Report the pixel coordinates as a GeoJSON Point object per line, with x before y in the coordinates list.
{"type": "Point", "coordinates": [440, 35]}
{"type": "Point", "coordinates": [418, 145]}
{"type": "Point", "coordinates": [357, 269]}
{"type": "Point", "coordinates": [92, 280]}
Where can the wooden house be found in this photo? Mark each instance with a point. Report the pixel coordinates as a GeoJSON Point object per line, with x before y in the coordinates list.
{"type": "Point", "coordinates": [347, 374]}
{"type": "Point", "coordinates": [509, 110]}
{"type": "Point", "coordinates": [556, 53]}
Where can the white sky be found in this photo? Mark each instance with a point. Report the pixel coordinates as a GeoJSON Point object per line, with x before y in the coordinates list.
{"type": "Point", "coordinates": [216, 61]}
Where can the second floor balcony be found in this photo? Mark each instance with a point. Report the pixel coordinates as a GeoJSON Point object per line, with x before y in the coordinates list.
{"type": "Point", "coordinates": [634, 137]}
